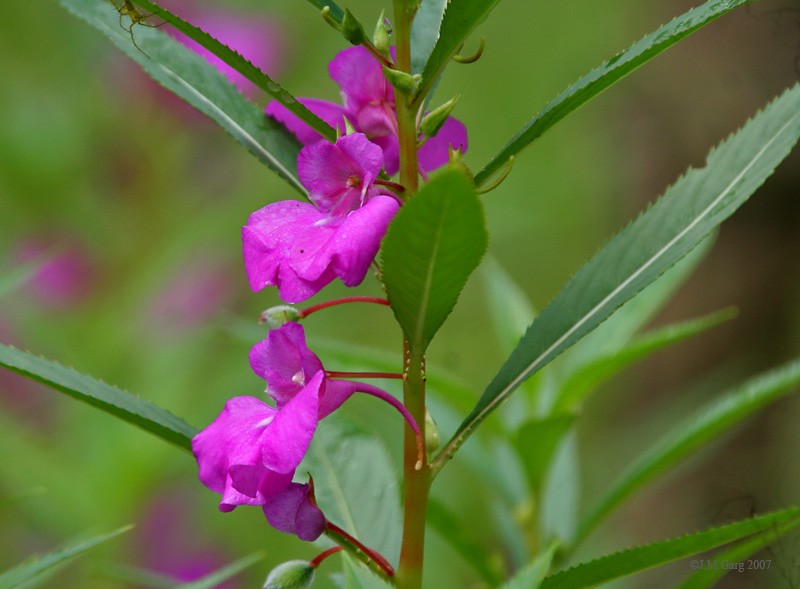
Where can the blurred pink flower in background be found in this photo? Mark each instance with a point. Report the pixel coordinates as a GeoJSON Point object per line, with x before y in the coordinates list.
{"type": "Point", "coordinates": [198, 290]}
{"type": "Point", "coordinates": [63, 275]}
{"type": "Point", "coordinates": [253, 35]}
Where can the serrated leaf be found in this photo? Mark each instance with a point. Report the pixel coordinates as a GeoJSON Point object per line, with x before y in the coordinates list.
{"type": "Point", "coordinates": [531, 576]}
{"type": "Point", "coordinates": [356, 486]}
{"type": "Point", "coordinates": [32, 568]}
{"type": "Point", "coordinates": [425, 32]}
{"type": "Point", "coordinates": [460, 537]}
{"type": "Point", "coordinates": [707, 577]}
{"type": "Point", "coordinates": [580, 384]}
{"type": "Point", "coordinates": [460, 19]}
{"type": "Point", "coordinates": [634, 560]}
{"type": "Point", "coordinates": [243, 66]}
{"type": "Point", "coordinates": [641, 252]}
{"type": "Point", "coordinates": [537, 440]}
{"type": "Point", "coordinates": [112, 400]}
{"type": "Point", "coordinates": [335, 10]}
{"type": "Point", "coordinates": [432, 246]}
{"type": "Point", "coordinates": [695, 433]}
{"type": "Point", "coordinates": [221, 575]}
{"type": "Point", "coordinates": [188, 75]}
{"type": "Point", "coordinates": [613, 70]}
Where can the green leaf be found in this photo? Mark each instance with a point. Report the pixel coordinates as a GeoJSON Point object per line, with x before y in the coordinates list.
{"type": "Point", "coordinates": [531, 576]}
{"type": "Point", "coordinates": [432, 246]}
{"type": "Point", "coordinates": [613, 70]}
{"type": "Point", "coordinates": [355, 485]}
{"type": "Point", "coordinates": [133, 576]}
{"type": "Point", "coordinates": [221, 575]}
{"type": "Point", "coordinates": [561, 492]}
{"type": "Point", "coordinates": [580, 384]}
{"type": "Point", "coordinates": [707, 578]}
{"type": "Point", "coordinates": [32, 568]}
{"type": "Point", "coordinates": [425, 32]}
{"type": "Point", "coordinates": [537, 440]}
{"type": "Point", "coordinates": [509, 307]}
{"type": "Point", "coordinates": [200, 84]}
{"type": "Point", "coordinates": [243, 66]}
{"type": "Point", "coordinates": [357, 576]}
{"type": "Point", "coordinates": [335, 11]}
{"type": "Point", "coordinates": [641, 252]}
{"type": "Point", "coordinates": [460, 19]}
{"type": "Point", "coordinates": [634, 560]}
{"type": "Point", "coordinates": [117, 402]}
{"type": "Point", "coordinates": [461, 538]}
{"type": "Point", "coordinates": [695, 433]}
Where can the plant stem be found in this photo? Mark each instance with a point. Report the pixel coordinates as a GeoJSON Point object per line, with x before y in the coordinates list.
{"type": "Point", "coordinates": [406, 113]}
{"type": "Point", "coordinates": [416, 480]}
{"type": "Point", "coordinates": [372, 559]}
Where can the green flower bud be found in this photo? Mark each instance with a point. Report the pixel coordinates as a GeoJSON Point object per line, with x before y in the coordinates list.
{"type": "Point", "coordinates": [274, 317]}
{"type": "Point", "coordinates": [294, 574]}
{"type": "Point", "coordinates": [380, 38]}
{"type": "Point", "coordinates": [434, 120]}
{"type": "Point", "coordinates": [352, 29]}
{"type": "Point", "coordinates": [432, 438]}
{"type": "Point", "coordinates": [406, 83]}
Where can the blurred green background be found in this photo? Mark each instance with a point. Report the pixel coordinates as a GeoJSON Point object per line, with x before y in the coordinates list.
{"type": "Point", "coordinates": [145, 198]}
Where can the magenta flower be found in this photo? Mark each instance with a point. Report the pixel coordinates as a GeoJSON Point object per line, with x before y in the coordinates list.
{"type": "Point", "coordinates": [286, 363]}
{"type": "Point", "coordinates": [250, 452]}
{"type": "Point", "coordinates": [294, 511]}
{"type": "Point", "coordinates": [369, 105]}
{"type": "Point", "coordinates": [300, 247]}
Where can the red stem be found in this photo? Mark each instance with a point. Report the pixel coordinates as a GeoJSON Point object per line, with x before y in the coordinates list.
{"type": "Point", "coordinates": [376, 557]}
{"type": "Point", "coordinates": [314, 308]}
{"type": "Point", "coordinates": [349, 375]}
{"type": "Point", "coordinates": [320, 557]}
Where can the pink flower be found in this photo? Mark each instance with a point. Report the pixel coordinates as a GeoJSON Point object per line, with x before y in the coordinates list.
{"type": "Point", "coordinates": [300, 247]}
{"type": "Point", "coordinates": [369, 106]}
{"type": "Point", "coordinates": [294, 511]}
{"type": "Point", "coordinates": [286, 363]}
{"type": "Point", "coordinates": [250, 452]}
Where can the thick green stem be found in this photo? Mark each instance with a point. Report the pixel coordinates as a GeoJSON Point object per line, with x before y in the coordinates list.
{"type": "Point", "coordinates": [416, 477]}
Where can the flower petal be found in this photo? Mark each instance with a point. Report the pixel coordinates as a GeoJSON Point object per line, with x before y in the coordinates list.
{"type": "Point", "coordinates": [331, 113]}
{"type": "Point", "coordinates": [436, 151]}
{"type": "Point", "coordinates": [336, 392]}
{"type": "Point", "coordinates": [293, 512]}
{"type": "Point", "coordinates": [285, 441]}
{"type": "Point", "coordinates": [360, 77]}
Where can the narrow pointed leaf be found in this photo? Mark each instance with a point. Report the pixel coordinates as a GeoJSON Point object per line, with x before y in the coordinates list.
{"type": "Point", "coordinates": [32, 568]}
{"type": "Point", "coordinates": [188, 75]}
{"type": "Point", "coordinates": [580, 384]}
{"type": "Point", "coordinates": [460, 19]}
{"type": "Point", "coordinates": [117, 402]}
{"type": "Point", "coordinates": [432, 246]}
{"type": "Point", "coordinates": [425, 32]}
{"type": "Point", "coordinates": [241, 65]}
{"type": "Point", "coordinates": [634, 560]}
{"type": "Point", "coordinates": [695, 433]}
{"type": "Point", "coordinates": [613, 70]}
{"type": "Point", "coordinates": [461, 538]}
{"type": "Point", "coordinates": [531, 576]}
{"type": "Point", "coordinates": [227, 572]}
{"type": "Point", "coordinates": [640, 253]}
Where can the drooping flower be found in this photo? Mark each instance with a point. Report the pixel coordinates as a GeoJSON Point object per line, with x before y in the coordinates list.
{"type": "Point", "coordinates": [369, 105]}
{"type": "Point", "coordinates": [286, 363]}
{"type": "Point", "coordinates": [250, 452]}
{"type": "Point", "coordinates": [300, 247]}
{"type": "Point", "coordinates": [294, 511]}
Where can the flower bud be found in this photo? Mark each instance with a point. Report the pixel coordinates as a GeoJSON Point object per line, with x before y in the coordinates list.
{"type": "Point", "coordinates": [352, 29]}
{"type": "Point", "coordinates": [274, 317]}
{"type": "Point", "coordinates": [380, 38]}
{"type": "Point", "coordinates": [406, 83]}
{"type": "Point", "coordinates": [434, 120]}
{"type": "Point", "coordinates": [293, 574]}
{"type": "Point", "coordinates": [432, 438]}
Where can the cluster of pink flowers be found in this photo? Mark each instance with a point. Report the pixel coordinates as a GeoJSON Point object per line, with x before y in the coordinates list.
{"type": "Point", "coordinates": [250, 453]}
